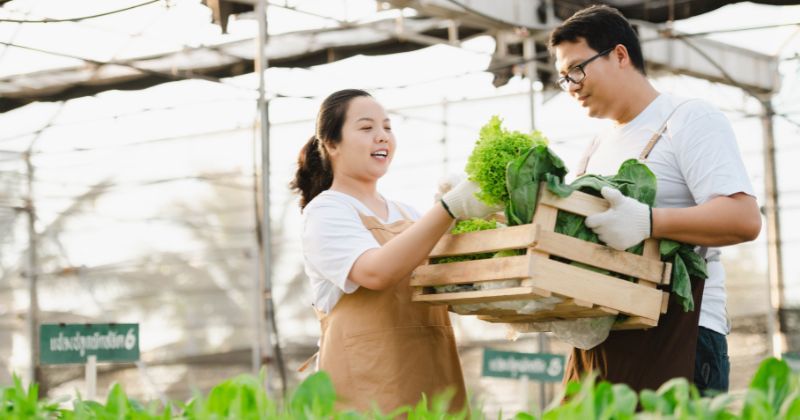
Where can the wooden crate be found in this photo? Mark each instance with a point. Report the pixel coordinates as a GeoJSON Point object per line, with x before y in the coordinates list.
{"type": "Point", "coordinates": [586, 293]}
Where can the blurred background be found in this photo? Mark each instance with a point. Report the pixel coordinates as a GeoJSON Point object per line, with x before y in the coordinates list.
{"type": "Point", "coordinates": [131, 166]}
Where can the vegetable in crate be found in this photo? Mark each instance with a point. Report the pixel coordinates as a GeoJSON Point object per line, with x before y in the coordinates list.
{"type": "Point", "coordinates": [493, 151]}
{"type": "Point", "coordinates": [634, 179]}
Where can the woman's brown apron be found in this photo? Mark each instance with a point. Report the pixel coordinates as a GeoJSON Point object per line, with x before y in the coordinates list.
{"type": "Point", "coordinates": [645, 359]}
{"type": "Point", "coordinates": [381, 348]}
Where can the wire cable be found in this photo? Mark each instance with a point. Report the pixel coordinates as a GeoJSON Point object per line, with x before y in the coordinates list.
{"type": "Point", "coordinates": [78, 19]}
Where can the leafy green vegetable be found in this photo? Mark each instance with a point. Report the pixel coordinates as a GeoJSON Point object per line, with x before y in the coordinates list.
{"type": "Point", "coordinates": [634, 179]}
{"type": "Point", "coordinates": [495, 148]}
{"type": "Point", "coordinates": [774, 393]}
{"type": "Point", "coordinates": [523, 176]}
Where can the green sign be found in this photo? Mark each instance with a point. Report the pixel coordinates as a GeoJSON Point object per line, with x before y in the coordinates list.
{"type": "Point", "coordinates": [72, 343]}
{"type": "Point", "coordinates": [508, 364]}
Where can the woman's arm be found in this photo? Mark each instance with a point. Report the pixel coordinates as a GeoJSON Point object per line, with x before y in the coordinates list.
{"type": "Point", "coordinates": [380, 268]}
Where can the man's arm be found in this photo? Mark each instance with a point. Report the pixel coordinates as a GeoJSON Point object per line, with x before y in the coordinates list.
{"type": "Point", "coordinates": [721, 221]}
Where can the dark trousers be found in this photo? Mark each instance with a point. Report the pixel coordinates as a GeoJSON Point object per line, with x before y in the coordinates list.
{"type": "Point", "coordinates": [711, 365]}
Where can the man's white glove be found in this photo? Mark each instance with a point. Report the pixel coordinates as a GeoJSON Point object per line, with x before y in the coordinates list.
{"type": "Point", "coordinates": [462, 203]}
{"type": "Point", "coordinates": [626, 223]}
{"type": "Point", "coordinates": [447, 183]}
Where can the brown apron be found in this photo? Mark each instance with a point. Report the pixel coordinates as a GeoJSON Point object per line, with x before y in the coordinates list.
{"type": "Point", "coordinates": [381, 348]}
{"type": "Point", "coordinates": [645, 359]}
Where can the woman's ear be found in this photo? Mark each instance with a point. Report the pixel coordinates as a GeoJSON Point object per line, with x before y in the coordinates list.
{"type": "Point", "coordinates": [331, 149]}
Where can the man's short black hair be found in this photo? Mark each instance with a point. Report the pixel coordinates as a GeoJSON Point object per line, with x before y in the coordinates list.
{"type": "Point", "coordinates": [602, 27]}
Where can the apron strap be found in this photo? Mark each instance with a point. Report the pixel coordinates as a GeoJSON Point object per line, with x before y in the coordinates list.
{"type": "Point", "coordinates": [653, 140]}
{"type": "Point", "coordinates": [584, 163]}
{"type": "Point", "coordinates": [403, 211]}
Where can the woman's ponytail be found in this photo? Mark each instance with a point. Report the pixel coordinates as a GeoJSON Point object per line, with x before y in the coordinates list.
{"type": "Point", "coordinates": [314, 174]}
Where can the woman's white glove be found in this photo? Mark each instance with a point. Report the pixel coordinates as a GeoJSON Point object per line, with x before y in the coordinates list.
{"type": "Point", "coordinates": [626, 223]}
{"type": "Point", "coordinates": [447, 183]}
{"type": "Point", "coordinates": [462, 203]}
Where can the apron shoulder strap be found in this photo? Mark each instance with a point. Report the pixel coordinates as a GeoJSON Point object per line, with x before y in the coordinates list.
{"type": "Point", "coordinates": [657, 135]}
{"type": "Point", "coordinates": [584, 162]}
{"type": "Point", "coordinates": [403, 211]}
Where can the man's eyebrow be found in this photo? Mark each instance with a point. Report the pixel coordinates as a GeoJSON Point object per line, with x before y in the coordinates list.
{"type": "Point", "coordinates": [570, 64]}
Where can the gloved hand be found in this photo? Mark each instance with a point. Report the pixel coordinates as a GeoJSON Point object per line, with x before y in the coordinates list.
{"type": "Point", "coordinates": [447, 183]}
{"type": "Point", "coordinates": [626, 223]}
{"type": "Point", "coordinates": [461, 202]}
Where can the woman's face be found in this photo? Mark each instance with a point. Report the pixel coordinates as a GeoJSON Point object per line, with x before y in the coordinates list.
{"type": "Point", "coordinates": [367, 145]}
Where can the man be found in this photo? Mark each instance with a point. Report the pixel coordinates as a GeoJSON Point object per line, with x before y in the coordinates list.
{"type": "Point", "coordinates": [704, 197]}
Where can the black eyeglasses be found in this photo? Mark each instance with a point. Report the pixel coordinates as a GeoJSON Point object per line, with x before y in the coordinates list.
{"type": "Point", "coordinates": [576, 74]}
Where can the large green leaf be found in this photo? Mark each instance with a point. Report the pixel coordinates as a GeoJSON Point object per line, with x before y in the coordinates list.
{"type": "Point", "coordinates": [682, 284]}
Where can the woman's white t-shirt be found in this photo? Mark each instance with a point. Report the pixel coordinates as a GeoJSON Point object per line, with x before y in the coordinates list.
{"type": "Point", "coordinates": [333, 239]}
{"type": "Point", "coordinates": [696, 159]}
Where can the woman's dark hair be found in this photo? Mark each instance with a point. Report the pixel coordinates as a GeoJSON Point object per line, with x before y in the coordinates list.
{"type": "Point", "coordinates": [314, 173]}
{"type": "Point", "coordinates": [602, 27]}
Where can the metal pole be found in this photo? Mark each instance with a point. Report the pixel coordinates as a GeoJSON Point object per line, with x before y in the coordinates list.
{"type": "Point", "coordinates": [263, 125]}
{"type": "Point", "coordinates": [272, 345]}
{"type": "Point", "coordinates": [32, 274]}
{"type": "Point", "coordinates": [528, 53]}
{"type": "Point", "coordinates": [257, 316]}
{"type": "Point", "coordinates": [91, 377]}
{"type": "Point", "coordinates": [445, 162]}
{"type": "Point", "coordinates": [772, 213]}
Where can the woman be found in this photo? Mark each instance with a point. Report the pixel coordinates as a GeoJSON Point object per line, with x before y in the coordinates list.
{"type": "Point", "coordinates": [360, 249]}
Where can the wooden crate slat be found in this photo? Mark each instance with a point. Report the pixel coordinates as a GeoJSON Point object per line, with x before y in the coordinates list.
{"type": "Point", "coordinates": [514, 237]}
{"type": "Point", "coordinates": [611, 292]}
{"type": "Point", "coordinates": [505, 268]}
{"type": "Point", "coordinates": [600, 256]}
{"type": "Point", "coordinates": [479, 296]}
{"type": "Point", "coordinates": [629, 324]}
{"type": "Point", "coordinates": [579, 203]}
{"type": "Point", "coordinates": [635, 323]}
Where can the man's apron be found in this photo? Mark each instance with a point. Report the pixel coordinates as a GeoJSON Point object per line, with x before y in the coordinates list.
{"type": "Point", "coordinates": [379, 347]}
{"type": "Point", "coordinates": [645, 359]}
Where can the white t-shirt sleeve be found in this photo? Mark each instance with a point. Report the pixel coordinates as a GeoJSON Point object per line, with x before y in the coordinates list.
{"type": "Point", "coordinates": [709, 158]}
{"type": "Point", "coordinates": [333, 238]}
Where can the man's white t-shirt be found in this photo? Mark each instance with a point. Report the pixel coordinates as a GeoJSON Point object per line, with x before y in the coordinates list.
{"type": "Point", "coordinates": [333, 238]}
{"type": "Point", "coordinates": [696, 159]}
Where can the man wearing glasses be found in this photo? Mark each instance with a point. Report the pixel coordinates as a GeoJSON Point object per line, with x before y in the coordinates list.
{"type": "Point", "coordinates": [704, 197]}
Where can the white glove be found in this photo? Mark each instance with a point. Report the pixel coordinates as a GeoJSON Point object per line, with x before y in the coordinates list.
{"type": "Point", "coordinates": [625, 224]}
{"type": "Point", "coordinates": [462, 203]}
{"type": "Point", "coordinates": [447, 183]}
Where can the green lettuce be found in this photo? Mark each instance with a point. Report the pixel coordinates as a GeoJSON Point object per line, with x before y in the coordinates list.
{"type": "Point", "coordinates": [493, 150]}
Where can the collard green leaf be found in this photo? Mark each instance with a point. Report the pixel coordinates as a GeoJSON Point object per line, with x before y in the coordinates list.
{"type": "Point", "coordinates": [523, 176]}
{"type": "Point", "coordinates": [770, 386]}
{"type": "Point", "coordinates": [668, 248]}
{"type": "Point", "coordinates": [681, 284]}
{"type": "Point", "coordinates": [695, 264]}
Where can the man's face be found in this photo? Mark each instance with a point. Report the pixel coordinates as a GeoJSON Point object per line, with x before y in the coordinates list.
{"type": "Point", "coordinates": [598, 89]}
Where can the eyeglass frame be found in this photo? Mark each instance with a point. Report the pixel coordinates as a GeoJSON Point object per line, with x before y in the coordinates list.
{"type": "Point", "coordinates": [562, 81]}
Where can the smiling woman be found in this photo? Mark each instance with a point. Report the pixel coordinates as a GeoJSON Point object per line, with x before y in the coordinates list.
{"type": "Point", "coordinates": [360, 249]}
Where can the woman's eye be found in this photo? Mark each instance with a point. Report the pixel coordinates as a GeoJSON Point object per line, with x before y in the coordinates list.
{"type": "Point", "coordinates": [366, 128]}
{"type": "Point", "coordinates": [387, 128]}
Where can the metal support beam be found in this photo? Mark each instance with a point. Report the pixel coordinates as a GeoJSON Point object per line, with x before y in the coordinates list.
{"type": "Point", "coordinates": [32, 274]}
{"type": "Point", "coordinates": [772, 213]}
{"type": "Point", "coordinates": [264, 280]}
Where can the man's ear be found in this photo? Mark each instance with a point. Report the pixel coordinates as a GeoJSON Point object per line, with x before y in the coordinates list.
{"type": "Point", "coordinates": [621, 56]}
